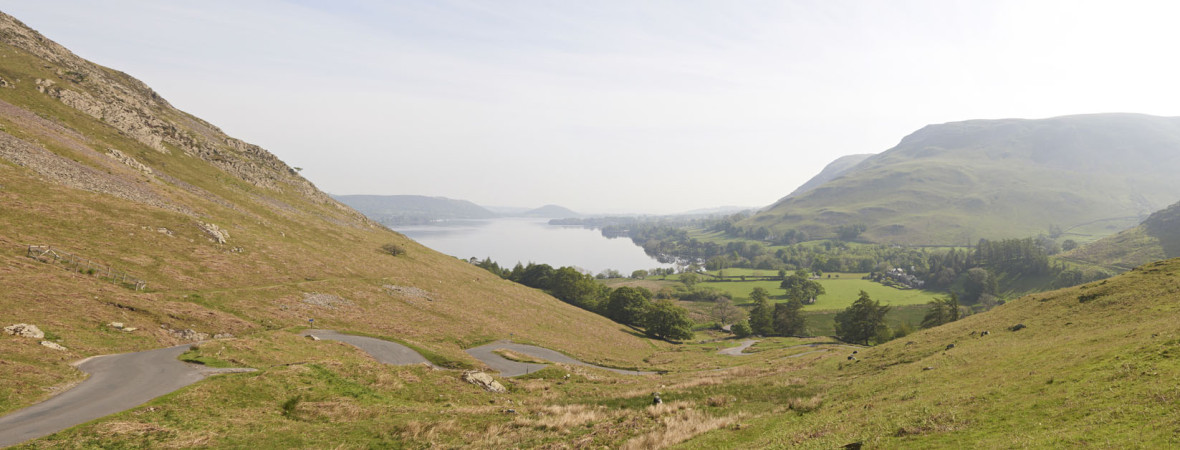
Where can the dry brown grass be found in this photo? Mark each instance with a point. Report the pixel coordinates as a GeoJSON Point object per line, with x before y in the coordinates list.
{"type": "Point", "coordinates": [561, 418]}
{"type": "Point", "coordinates": [677, 423]}
{"type": "Point", "coordinates": [427, 432]}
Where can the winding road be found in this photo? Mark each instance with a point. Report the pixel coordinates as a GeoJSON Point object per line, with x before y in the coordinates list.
{"type": "Point", "coordinates": [116, 383]}
{"type": "Point", "coordinates": [509, 368]}
{"type": "Point", "coordinates": [738, 351]}
{"type": "Point", "coordinates": [383, 351]}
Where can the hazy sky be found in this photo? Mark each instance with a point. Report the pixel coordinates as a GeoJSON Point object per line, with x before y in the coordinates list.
{"type": "Point", "coordinates": [614, 106]}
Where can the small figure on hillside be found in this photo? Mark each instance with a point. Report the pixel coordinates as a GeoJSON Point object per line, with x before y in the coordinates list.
{"type": "Point", "coordinates": [655, 398]}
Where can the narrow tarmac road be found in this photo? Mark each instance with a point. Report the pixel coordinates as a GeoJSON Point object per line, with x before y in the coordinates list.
{"type": "Point", "coordinates": [383, 351]}
{"type": "Point", "coordinates": [509, 368]}
{"type": "Point", "coordinates": [116, 383]}
{"type": "Point", "coordinates": [738, 351]}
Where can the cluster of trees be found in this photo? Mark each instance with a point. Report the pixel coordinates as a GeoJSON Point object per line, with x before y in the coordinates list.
{"type": "Point", "coordinates": [783, 319]}
{"type": "Point", "coordinates": [801, 287]}
{"type": "Point", "coordinates": [863, 321]}
{"type": "Point", "coordinates": [659, 319]}
{"type": "Point", "coordinates": [940, 311]}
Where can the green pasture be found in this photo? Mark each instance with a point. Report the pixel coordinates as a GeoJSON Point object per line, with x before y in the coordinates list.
{"type": "Point", "coordinates": [840, 291]}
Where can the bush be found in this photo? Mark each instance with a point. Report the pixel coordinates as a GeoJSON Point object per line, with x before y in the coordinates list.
{"type": "Point", "coordinates": [393, 249]}
{"type": "Point", "coordinates": [741, 329]}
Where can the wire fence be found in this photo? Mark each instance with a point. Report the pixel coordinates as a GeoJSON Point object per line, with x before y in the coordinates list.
{"type": "Point", "coordinates": [47, 254]}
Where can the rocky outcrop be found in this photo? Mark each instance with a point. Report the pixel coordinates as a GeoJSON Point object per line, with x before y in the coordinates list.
{"type": "Point", "coordinates": [53, 345]}
{"type": "Point", "coordinates": [129, 161]}
{"type": "Point", "coordinates": [408, 291]}
{"type": "Point", "coordinates": [216, 234]}
{"type": "Point", "coordinates": [188, 335]}
{"type": "Point", "coordinates": [325, 300]}
{"type": "Point", "coordinates": [484, 381]}
{"type": "Point", "coordinates": [25, 330]}
{"type": "Point", "coordinates": [137, 111]}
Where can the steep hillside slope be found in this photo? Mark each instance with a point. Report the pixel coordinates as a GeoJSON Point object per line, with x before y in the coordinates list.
{"type": "Point", "coordinates": [1094, 365]}
{"type": "Point", "coordinates": [413, 209]}
{"type": "Point", "coordinates": [1090, 175]}
{"type": "Point", "coordinates": [226, 237]}
{"type": "Point", "coordinates": [1156, 238]}
{"type": "Point", "coordinates": [830, 172]}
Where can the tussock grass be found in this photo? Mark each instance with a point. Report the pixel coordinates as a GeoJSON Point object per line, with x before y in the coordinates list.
{"type": "Point", "coordinates": [677, 423]}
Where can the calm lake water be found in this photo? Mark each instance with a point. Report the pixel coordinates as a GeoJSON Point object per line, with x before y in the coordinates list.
{"type": "Point", "coordinates": [508, 241]}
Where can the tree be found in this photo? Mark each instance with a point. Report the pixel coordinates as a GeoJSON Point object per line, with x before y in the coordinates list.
{"type": "Point", "coordinates": [628, 305]}
{"type": "Point", "coordinates": [862, 321]}
{"type": "Point", "coordinates": [639, 274]}
{"type": "Point", "coordinates": [940, 311]}
{"type": "Point", "coordinates": [665, 320]}
{"type": "Point", "coordinates": [577, 288]}
{"type": "Point", "coordinates": [724, 311]}
{"type": "Point", "coordinates": [800, 287]}
{"type": "Point", "coordinates": [689, 278]}
{"type": "Point", "coordinates": [788, 319]}
{"type": "Point", "coordinates": [1069, 244]}
{"type": "Point", "coordinates": [741, 329]}
{"type": "Point", "coordinates": [761, 316]}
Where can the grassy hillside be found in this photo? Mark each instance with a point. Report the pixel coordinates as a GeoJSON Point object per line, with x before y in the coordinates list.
{"type": "Point", "coordinates": [1095, 365]}
{"type": "Point", "coordinates": [413, 209]}
{"type": "Point", "coordinates": [1089, 176]}
{"type": "Point", "coordinates": [1156, 238]}
{"type": "Point", "coordinates": [228, 239]}
{"type": "Point", "coordinates": [830, 172]}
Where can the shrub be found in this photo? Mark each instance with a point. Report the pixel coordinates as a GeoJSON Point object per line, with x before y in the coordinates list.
{"type": "Point", "coordinates": [741, 329]}
{"type": "Point", "coordinates": [393, 249]}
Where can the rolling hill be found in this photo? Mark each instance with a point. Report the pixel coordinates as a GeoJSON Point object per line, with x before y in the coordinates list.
{"type": "Point", "coordinates": [1155, 239]}
{"type": "Point", "coordinates": [225, 238]}
{"type": "Point", "coordinates": [830, 172]}
{"type": "Point", "coordinates": [413, 209]}
{"type": "Point", "coordinates": [1092, 365]}
{"type": "Point", "coordinates": [1087, 175]}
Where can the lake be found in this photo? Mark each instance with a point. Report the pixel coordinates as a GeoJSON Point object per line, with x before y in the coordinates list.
{"type": "Point", "coordinates": [508, 241]}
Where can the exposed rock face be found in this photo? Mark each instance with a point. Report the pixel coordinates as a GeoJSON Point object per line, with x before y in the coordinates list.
{"type": "Point", "coordinates": [136, 111]}
{"type": "Point", "coordinates": [25, 330]}
{"type": "Point", "coordinates": [484, 381]}
{"type": "Point", "coordinates": [53, 345]}
{"type": "Point", "coordinates": [326, 300]}
{"type": "Point", "coordinates": [215, 233]}
{"type": "Point", "coordinates": [188, 335]}
{"type": "Point", "coordinates": [129, 161]}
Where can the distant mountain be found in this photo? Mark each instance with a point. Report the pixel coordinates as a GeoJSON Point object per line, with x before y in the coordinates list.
{"type": "Point", "coordinates": [831, 171]}
{"type": "Point", "coordinates": [1157, 238]}
{"type": "Point", "coordinates": [550, 212]}
{"type": "Point", "coordinates": [1090, 175]}
{"type": "Point", "coordinates": [510, 211]}
{"type": "Point", "coordinates": [413, 209]}
{"type": "Point", "coordinates": [720, 210]}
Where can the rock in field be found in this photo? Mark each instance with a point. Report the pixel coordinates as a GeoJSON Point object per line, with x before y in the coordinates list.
{"type": "Point", "coordinates": [53, 345]}
{"type": "Point", "coordinates": [25, 330]}
{"type": "Point", "coordinates": [484, 381]}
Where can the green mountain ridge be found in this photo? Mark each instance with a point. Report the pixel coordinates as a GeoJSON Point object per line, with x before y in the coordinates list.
{"type": "Point", "coordinates": [1157, 238]}
{"type": "Point", "coordinates": [1089, 175]}
{"type": "Point", "coordinates": [830, 172]}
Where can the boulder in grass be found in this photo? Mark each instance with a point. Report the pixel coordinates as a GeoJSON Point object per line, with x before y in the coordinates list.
{"type": "Point", "coordinates": [484, 381]}
{"type": "Point", "coordinates": [25, 330]}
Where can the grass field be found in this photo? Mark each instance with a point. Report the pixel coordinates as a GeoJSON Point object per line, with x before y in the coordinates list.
{"type": "Point", "coordinates": [840, 291]}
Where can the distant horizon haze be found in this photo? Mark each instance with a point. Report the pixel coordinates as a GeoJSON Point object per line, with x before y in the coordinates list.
{"type": "Point", "coordinates": [614, 106]}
